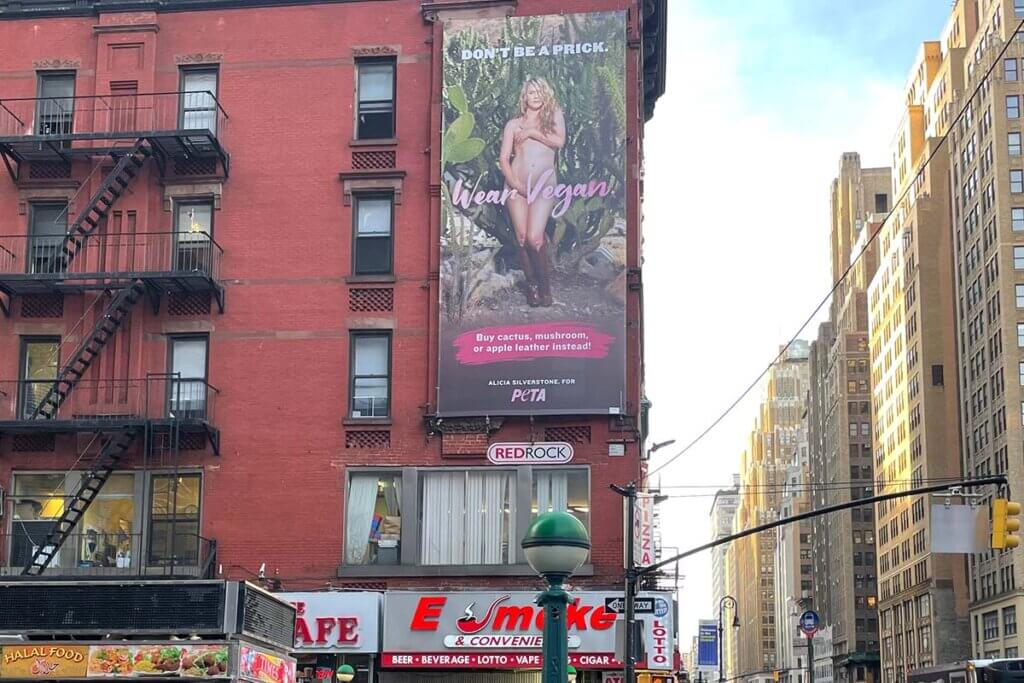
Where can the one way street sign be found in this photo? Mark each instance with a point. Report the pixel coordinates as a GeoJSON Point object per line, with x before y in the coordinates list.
{"type": "Point", "coordinates": [640, 605]}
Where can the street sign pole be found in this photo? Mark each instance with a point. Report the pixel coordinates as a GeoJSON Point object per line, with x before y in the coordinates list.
{"type": "Point", "coordinates": [810, 658]}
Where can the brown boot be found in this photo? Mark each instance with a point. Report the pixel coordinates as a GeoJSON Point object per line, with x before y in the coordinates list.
{"type": "Point", "coordinates": [543, 266]}
{"type": "Point", "coordinates": [529, 277]}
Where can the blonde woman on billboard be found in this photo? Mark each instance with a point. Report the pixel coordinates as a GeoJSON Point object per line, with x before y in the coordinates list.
{"type": "Point", "coordinates": [528, 148]}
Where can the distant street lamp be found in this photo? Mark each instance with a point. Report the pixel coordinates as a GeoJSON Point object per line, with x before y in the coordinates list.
{"type": "Point", "coordinates": [654, 447]}
{"type": "Point", "coordinates": [556, 545]}
{"type": "Point", "coordinates": [727, 601]}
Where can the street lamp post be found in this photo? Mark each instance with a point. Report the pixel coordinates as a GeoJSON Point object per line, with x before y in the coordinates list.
{"type": "Point", "coordinates": [556, 544]}
{"type": "Point", "coordinates": [345, 673]}
{"type": "Point", "coordinates": [727, 601]}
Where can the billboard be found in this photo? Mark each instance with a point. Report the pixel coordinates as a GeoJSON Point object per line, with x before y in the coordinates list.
{"type": "Point", "coordinates": [533, 215]}
{"type": "Point", "coordinates": [707, 643]}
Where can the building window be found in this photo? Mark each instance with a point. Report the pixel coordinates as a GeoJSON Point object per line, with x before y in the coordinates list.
{"type": "Point", "coordinates": [186, 385]}
{"type": "Point", "coordinates": [1013, 144]}
{"type": "Point", "coordinates": [373, 518]}
{"type": "Point", "coordinates": [370, 374]}
{"type": "Point", "coordinates": [1013, 106]}
{"type": "Point", "coordinates": [562, 490]}
{"type": "Point", "coordinates": [376, 94]}
{"type": "Point", "coordinates": [374, 222]}
{"type": "Point", "coordinates": [40, 363]}
{"type": "Point", "coordinates": [1009, 621]}
{"type": "Point", "coordinates": [55, 108]}
{"type": "Point", "coordinates": [47, 228]}
{"type": "Point", "coordinates": [197, 109]}
{"type": "Point", "coordinates": [193, 234]}
{"type": "Point", "coordinates": [881, 203]}
{"type": "Point", "coordinates": [1018, 7]}
{"type": "Point", "coordinates": [37, 502]}
{"type": "Point", "coordinates": [174, 519]}
{"type": "Point", "coordinates": [937, 376]}
{"type": "Point", "coordinates": [1011, 652]}
{"type": "Point", "coordinates": [1010, 69]}
{"type": "Point", "coordinates": [468, 517]}
{"type": "Point", "coordinates": [990, 625]}
{"type": "Point", "coordinates": [1020, 335]}
{"type": "Point", "coordinates": [1017, 218]}
{"type": "Point", "coordinates": [1016, 181]}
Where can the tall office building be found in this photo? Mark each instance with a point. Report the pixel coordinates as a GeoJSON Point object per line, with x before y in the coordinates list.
{"type": "Point", "coordinates": [776, 432]}
{"type": "Point", "coordinates": [723, 515]}
{"type": "Point", "coordinates": [988, 246]}
{"type": "Point", "coordinates": [793, 566]}
{"type": "Point", "coordinates": [839, 416]}
{"type": "Point", "coordinates": [922, 595]}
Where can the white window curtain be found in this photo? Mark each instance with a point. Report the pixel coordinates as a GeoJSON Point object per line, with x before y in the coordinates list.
{"type": "Point", "coordinates": [362, 499]}
{"type": "Point", "coordinates": [468, 517]}
{"type": "Point", "coordinates": [552, 491]}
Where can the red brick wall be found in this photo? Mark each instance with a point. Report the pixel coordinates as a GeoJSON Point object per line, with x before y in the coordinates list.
{"type": "Point", "coordinates": [279, 353]}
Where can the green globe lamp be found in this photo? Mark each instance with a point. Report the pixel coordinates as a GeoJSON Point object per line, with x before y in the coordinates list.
{"type": "Point", "coordinates": [345, 673]}
{"type": "Point", "coordinates": [556, 545]}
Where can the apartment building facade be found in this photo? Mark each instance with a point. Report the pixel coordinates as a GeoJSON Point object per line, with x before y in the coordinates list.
{"type": "Point", "coordinates": [226, 296]}
{"type": "Point", "coordinates": [989, 259]}
{"type": "Point", "coordinates": [922, 595]}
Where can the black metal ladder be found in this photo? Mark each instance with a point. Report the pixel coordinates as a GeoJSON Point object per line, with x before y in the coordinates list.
{"type": "Point", "coordinates": [113, 186]}
{"type": "Point", "coordinates": [109, 457]}
{"type": "Point", "coordinates": [109, 323]}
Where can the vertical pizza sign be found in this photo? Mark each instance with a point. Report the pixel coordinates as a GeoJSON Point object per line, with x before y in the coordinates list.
{"type": "Point", "coordinates": [533, 215]}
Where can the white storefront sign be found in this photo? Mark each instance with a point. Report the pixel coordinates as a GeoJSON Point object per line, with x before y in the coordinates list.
{"type": "Point", "coordinates": [538, 453]}
{"type": "Point", "coordinates": [336, 621]}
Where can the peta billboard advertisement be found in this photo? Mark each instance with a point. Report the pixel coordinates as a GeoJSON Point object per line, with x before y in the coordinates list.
{"type": "Point", "coordinates": [533, 215]}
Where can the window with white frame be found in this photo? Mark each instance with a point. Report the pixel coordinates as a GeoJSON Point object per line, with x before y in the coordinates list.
{"type": "Point", "coordinates": [467, 516]}
{"type": "Point", "coordinates": [1013, 144]}
{"type": "Point", "coordinates": [373, 518]}
{"type": "Point", "coordinates": [1016, 180]}
{"type": "Point", "coordinates": [562, 490]}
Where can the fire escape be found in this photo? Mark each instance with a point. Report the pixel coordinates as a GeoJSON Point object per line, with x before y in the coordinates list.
{"type": "Point", "coordinates": [103, 144]}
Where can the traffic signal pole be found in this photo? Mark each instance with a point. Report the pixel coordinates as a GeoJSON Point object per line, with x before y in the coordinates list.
{"type": "Point", "coordinates": [629, 664]}
{"type": "Point", "coordinates": [861, 502]}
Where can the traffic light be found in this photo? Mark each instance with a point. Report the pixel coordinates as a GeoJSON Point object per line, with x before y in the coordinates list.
{"type": "Point", "coordinates": [776, 675]}
{"type": "Point", "coordinates": [1004, 524]}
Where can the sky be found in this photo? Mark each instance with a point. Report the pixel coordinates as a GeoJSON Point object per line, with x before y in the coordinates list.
{"type": "Point", "coordinates": [762, 98]}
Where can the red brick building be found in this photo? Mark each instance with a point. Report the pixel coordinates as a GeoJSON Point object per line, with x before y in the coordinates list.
{"type": "Point", "coordinates": [219, 280]}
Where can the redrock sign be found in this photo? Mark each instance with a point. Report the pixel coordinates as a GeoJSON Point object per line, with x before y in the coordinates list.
{"type": "Point", "coordinates": [503, 630]}
{"type": "Point", "coordinates": [540, 453]}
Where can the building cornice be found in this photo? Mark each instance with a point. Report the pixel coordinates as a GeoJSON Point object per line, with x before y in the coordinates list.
{"type": "Point", "coordinates": [27, 9]}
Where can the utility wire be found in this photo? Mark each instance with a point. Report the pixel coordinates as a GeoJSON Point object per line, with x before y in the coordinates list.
{"type": "Point", "coordinates": [842, 278]}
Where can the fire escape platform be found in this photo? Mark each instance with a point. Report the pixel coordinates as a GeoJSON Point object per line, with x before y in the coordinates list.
{"type": "Point", "coordinates": [86, 424]}
{"type": "Point", "coordinates": [178, 282]}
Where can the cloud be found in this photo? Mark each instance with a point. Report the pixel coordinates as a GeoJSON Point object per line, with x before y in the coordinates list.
{"type": "Point", "coordinates": [736, 230]}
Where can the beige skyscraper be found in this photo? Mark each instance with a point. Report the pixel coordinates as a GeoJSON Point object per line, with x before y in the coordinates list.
{"type": "Point", "coordinates": [839, 421]}
{"type": "Point", "coordinates": [988, 243]}
{"type": "Point", "coordinates": [775, 435]}
{"type": "Point", "coordinates": [922, 596]}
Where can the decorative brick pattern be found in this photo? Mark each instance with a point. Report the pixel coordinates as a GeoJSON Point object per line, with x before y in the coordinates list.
{"type": "Point", "coordinates": [196, 303]}
{"type": "Point", "coordinates": [42, 306]}
{"type": "Point", "coordinates": [195, 166]}
{"type": "Point", "coordinates": [44, 170]}
{"type": "Point", "coordinates": [369, 161]}
{"type": "Point", "coordinates": [374, 439]}
{"type": "Point", "coordinates": [574, 434]}
{"type": "Point", "coordinates": [371, 299]}
{"type": "Point", "coordinates": [33, 443]}
{"type": "Point", "coordinates": [464, 445]}
{"type": "Point", "coordinates": [192, 441]}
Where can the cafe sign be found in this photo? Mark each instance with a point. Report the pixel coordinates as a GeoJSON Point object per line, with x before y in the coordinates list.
{"type": "Point", "coordinates": [44, 661]}
{"type": "Point", "coordinates": [342, 621]}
